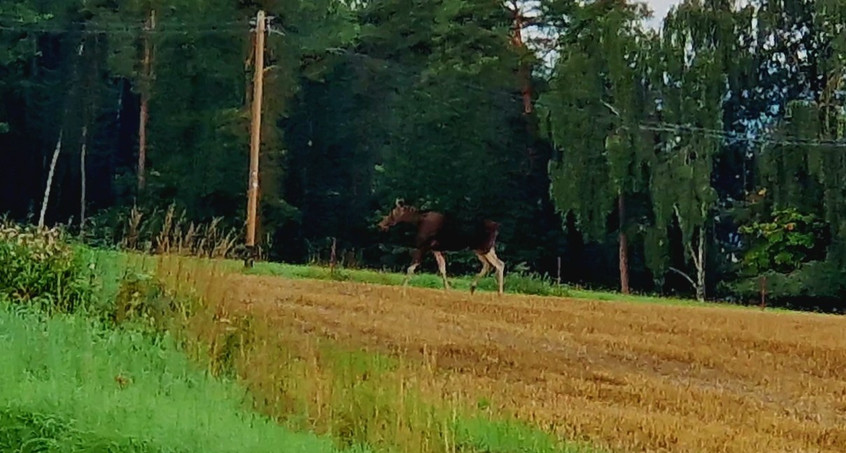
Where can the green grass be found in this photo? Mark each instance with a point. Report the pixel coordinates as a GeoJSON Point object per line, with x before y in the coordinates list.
{"type": "Point", "coordinates": [515, 283]}
{"type": "Point", "coordinates": [488, 436]}
{"type": "Point", "coordinates": [67, 384]}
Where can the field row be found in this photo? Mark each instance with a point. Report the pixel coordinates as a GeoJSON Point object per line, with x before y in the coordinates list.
{"type": "Point", "coordinates": [635, 377]}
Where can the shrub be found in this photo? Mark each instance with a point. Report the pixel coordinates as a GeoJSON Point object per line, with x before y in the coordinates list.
{"type": "Point", "coordinates": [38, 266]}
{"type": "Point", "coordinates": [784, 243]}
{"type": "Point", "coordinates": [816, 286]}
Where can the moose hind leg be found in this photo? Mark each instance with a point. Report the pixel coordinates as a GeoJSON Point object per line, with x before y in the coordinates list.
{"type": "Point", "coordinates": [439, 256]}
{"type": "Point", "coordinates": [500, 268]}
{"type": "Point", "coordinates": [486, 267]}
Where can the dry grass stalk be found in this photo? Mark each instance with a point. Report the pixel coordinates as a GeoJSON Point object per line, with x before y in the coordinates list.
{"type": "Point", "coordinates": [163, 238]}
{"type": "Point", "coordinates": [292, 377]}
{"type": "Point", "coordinates": [132, 232]}
{"type": "Point", "coordinates": [633, 377]}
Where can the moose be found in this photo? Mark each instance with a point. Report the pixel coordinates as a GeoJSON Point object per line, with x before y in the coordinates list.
{"type": "Point", "coordinates": [439, 233]}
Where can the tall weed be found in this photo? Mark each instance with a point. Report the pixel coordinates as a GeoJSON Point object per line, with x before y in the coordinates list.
{"type": "Point", "coordinates": [162, 232]}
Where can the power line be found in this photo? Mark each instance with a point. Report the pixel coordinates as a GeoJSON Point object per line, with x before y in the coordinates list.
{"type": "Point", "coordinates": [647, 126]}
{"type": "Point", "coordinates": [17, 24]}
{"type": "Point", "coordinates": [228, 27]}
{"type": "Point", "coordinates": [165, 27]}
{"type": "Point", "coordinates": [735, 136]}
{"type": "Point", "coordinates": [165, 30]}
{"type": "Point", "coordinates": [106, 14]}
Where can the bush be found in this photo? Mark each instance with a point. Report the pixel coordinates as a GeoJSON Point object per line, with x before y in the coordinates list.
{"type": "Point", "coordinates": [38, 266]}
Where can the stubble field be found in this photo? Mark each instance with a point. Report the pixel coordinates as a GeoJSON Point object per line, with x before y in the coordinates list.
{"type": "Point", "coordinates": [624, 376]}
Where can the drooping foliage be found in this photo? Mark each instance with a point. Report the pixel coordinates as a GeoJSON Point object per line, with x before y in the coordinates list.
{"type": "Point", "coordinates": [596, 103]}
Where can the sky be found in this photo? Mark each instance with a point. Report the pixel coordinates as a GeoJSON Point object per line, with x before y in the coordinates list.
{"type": "Point", "coordinates": [659, 10]}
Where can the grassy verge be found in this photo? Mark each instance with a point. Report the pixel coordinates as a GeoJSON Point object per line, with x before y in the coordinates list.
{"type": "Point", "coordinates": [68, 384]}
{"type": "Point", "coordinates": [515, 283]}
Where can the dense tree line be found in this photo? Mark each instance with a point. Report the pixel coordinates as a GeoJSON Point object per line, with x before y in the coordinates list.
{"type": "Point", "coordinates": [695, 158]}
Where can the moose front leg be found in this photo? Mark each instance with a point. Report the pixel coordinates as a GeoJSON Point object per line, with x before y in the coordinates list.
{"type": "Point", "coordinates": [499, 265]}
{"type": "Point", "coordinates": [439, 256]}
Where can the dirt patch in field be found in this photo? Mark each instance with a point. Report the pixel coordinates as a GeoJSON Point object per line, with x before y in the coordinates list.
{"type": "Point", "coordinates": [632, 377]}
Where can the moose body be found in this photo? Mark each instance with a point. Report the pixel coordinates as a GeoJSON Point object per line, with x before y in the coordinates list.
{"type": "Point", "coordinates": [438, 233]}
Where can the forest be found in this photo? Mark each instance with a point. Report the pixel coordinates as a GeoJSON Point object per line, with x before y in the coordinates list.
{"type": "Point", "coordinates": [704, 157]}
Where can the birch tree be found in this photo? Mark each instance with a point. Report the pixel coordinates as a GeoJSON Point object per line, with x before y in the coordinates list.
{"type": "Point", "coordinates": [690, 69]}
{"type": "Point", "coordinates": [595, 106]}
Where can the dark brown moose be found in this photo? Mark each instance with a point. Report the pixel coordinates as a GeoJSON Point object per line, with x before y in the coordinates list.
{"type": "Point", "coordinates": [440, 233]}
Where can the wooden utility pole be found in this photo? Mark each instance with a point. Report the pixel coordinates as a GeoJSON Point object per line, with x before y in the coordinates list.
{"type": "Point", "coordinates": [146, 86]}
{"type": "Point", "coordinates": [255, 140]}
{"type": "Point", "coordinates": [763, 280]}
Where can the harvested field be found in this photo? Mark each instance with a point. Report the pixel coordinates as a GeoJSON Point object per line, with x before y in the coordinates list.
{"type": "Point", "coordinates": [630, 377]}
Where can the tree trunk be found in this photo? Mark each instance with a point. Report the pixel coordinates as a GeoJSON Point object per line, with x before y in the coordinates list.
{"type": "Point", "coordinates": [624, 246]}
{"type": "Point", "coordinates": [698, 256]}
{"type": "Point", "coordinates": [699, 262]}
{"type": "Point", "coordinates": [524, 70]}
{"type": "Point", "coordinates": [142, 144]}
{"type": "Point", "coordinates": [46, 198]}
{"type": "Point", "coordinates": [145, 100]}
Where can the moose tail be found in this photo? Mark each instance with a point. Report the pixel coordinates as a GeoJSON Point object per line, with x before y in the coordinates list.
{"type": "Point", "coordinates": [492, 230]}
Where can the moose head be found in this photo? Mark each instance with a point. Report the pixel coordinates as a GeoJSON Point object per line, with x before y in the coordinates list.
{"type": "Point", "coordinates": [400, 213]}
